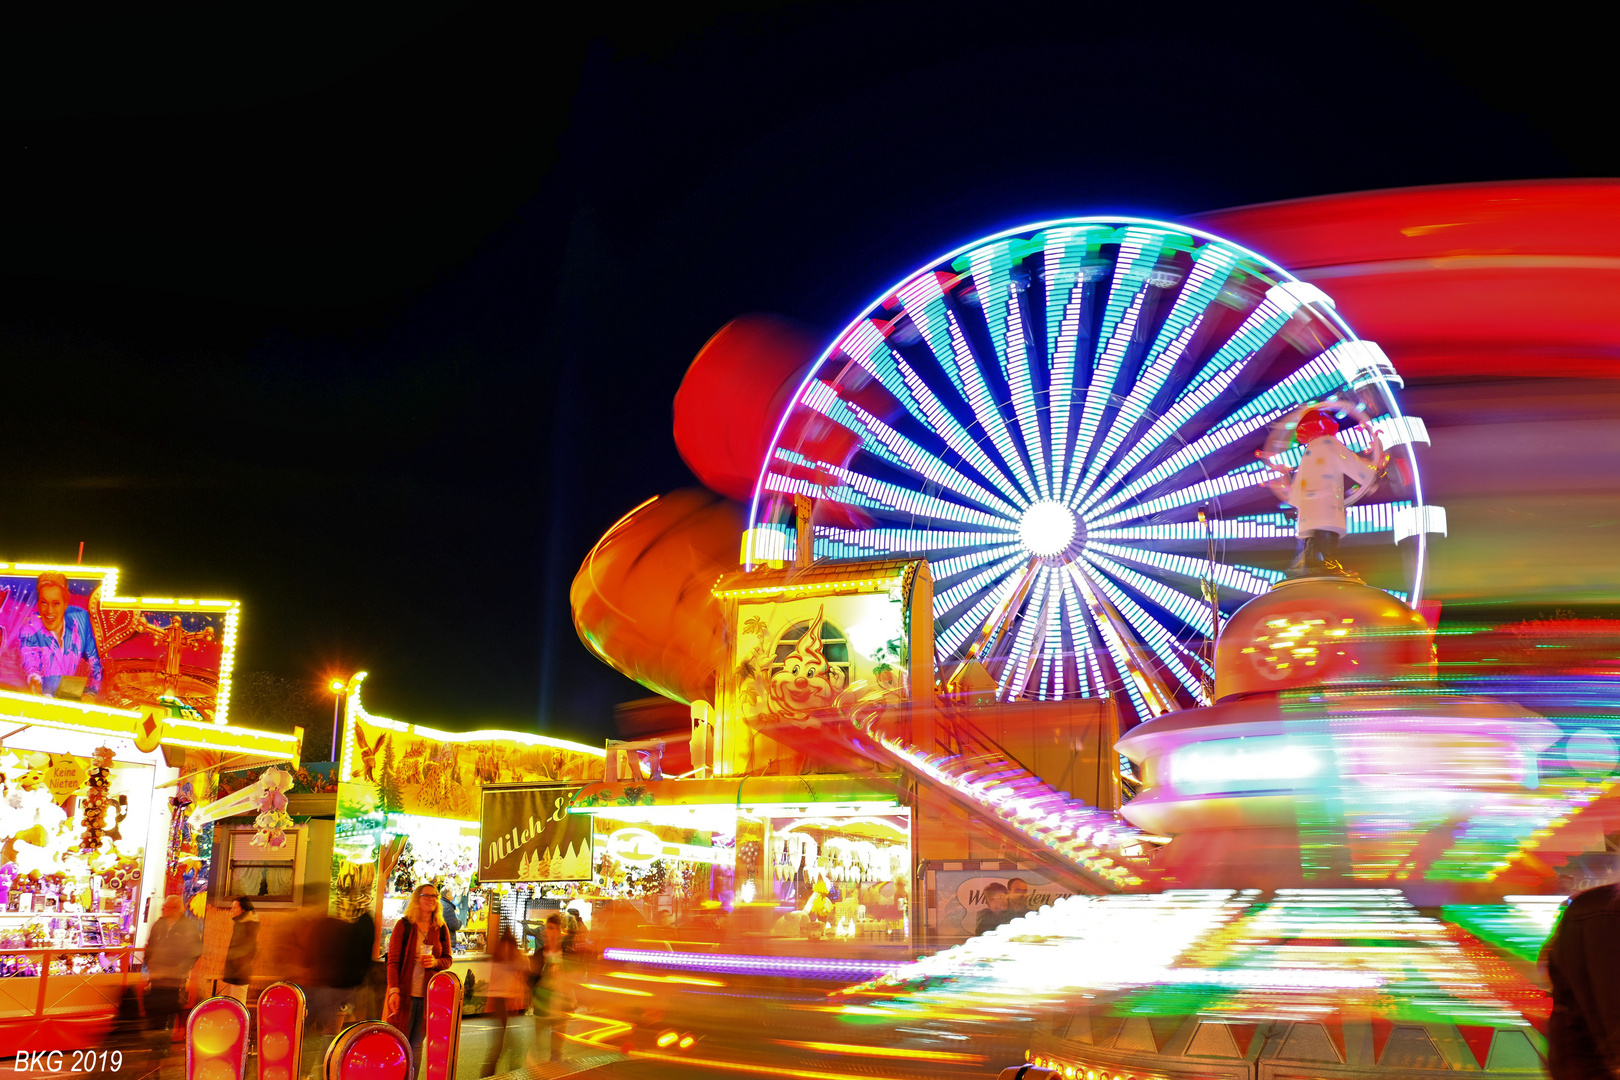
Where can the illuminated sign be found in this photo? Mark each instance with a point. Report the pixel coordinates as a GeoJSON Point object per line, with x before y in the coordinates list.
{"type": "Point", "coordinates": [527, 834]}
{"type": "Point", "coordinates": [66, 633]}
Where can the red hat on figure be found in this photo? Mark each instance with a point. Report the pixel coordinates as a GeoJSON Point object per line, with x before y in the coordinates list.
{"type": "Point", "coordinates": [1313, 425]}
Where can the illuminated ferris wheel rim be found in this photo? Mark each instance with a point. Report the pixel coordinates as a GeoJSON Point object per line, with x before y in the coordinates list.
{"type": "Point", "coordinates": [1331, 314]}
{"type": "Point", "coordinates": [1050, 527]}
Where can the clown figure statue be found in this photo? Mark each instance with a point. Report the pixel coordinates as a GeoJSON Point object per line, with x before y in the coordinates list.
{"type": "Point", "coordinates": [1316, 489]}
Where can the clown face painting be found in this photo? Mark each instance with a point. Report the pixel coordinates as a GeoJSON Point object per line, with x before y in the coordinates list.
{"type": "Point", "coordinates": [805, 682]}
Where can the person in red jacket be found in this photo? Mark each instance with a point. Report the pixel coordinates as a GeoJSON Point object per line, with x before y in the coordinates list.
{"type": "Point", "coordinates": [420, 945]}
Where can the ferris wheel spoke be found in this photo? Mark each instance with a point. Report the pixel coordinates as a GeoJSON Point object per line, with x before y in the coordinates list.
{"type": "Point", "coordinates": [1138, 252]}
{"type": "Point", "coordinates": [1015, 676]}
{"type": "Point", "coordinates": [1249, 579]}
{"type": "Point", "coordinates": [1151, 632]}
{"type": "Point", "coordinates": [867, 345]}
{"type": "Point", "coordinates": [924, 300]}
{"type": "Point", "coordinates": [1052, 677]}
{"type": "Point", "coordinates": [972, 621]}
{"type": "Point", "coordinates": [840, 493]}
{"type": "Point", "coordinates": [930, 466]}
{"type": "Point", "coordinates": [902, 500]}
{"type": "Point", "coordinates": [1249, 338]}
{"type": "Point", "coordinates": [1191, 611]}
{"type": "Point", "coordinates": [1212, 269]}
{"type": "Point", "coordinates": [825, 400]}
{"type": "Point", "coordinates": [1244, 477]}
{"type": "Point", "coordinates": [955, 595]}
{"type": "Point", "coordinates": [1020, 381]}
{"type": "Point", "coordinates": [1313, 379]}
{"type": "Point", "coordinates": [1134, 680]}
{"type": "Point", "coordinates": [1086, 661]}
{"type": "Point", "coordinates": [1162, 430]}
{"type": "Point", "coordinates": [991, 267]}
{"type": "Point", "coordinates": [945, 425]}
{"type": "Point", "coordinates": [1067, 271]}
{"type": "Point", "coordinates": [1187, 456]}
{"type": "Point", "coordinates": [946, 569]}
{"type": "Point", "coordinates": [1274, 527]}
{"type": "Point", "coordinates": [1135, 405]}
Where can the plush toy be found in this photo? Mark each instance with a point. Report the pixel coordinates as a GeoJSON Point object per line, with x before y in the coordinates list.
{"type": "Point", "coordinates": [273, 821]}
{"type": "Point", "coordinates": [8, 874]}
{"type": "Point", "coordinates": [818, 907]}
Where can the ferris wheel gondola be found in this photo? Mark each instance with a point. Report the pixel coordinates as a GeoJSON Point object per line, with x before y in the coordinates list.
{"type": "Point", "coordinates": [1044, 414]}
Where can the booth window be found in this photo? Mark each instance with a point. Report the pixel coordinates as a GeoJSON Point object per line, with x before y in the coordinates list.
{"type": "Point", "coordinates": [264, 875]}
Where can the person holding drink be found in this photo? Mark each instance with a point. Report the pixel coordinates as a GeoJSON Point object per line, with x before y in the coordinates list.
{"type": "Point", "coordinates": [420, 946]}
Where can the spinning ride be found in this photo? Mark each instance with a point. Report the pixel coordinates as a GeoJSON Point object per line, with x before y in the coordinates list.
{"type": "Point", "coordinates": [1065, 420]}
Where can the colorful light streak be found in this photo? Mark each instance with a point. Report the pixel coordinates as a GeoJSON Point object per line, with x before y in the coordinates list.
{"type": "Point", "coordinates": [772, 966]}
{"type": "Point", "coordinates": [908, 1053]}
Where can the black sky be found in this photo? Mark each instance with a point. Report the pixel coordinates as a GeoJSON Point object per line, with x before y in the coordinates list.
{"type": "Point", "coordinates": [374, 319]}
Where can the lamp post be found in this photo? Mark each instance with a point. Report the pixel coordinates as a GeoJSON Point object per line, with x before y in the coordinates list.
{"type": "Point", "coordinates": [338, 688]}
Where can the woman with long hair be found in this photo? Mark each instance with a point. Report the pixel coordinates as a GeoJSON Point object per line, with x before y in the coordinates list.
{"type": "Point", "coordinates": [420, 945]}
{"type": "Point", "coordinates": [508, 993]}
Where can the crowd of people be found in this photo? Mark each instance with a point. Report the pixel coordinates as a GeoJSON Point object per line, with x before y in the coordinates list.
{"type": "Point", "coordinates": [343, 984]}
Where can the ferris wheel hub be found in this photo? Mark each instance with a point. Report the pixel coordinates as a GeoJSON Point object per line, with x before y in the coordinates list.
{"type": "Point", "coordinates": [1047, 528]}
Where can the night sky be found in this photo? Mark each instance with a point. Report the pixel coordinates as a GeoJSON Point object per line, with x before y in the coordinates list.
{"type": "Point", "coordinates": [373, 319]}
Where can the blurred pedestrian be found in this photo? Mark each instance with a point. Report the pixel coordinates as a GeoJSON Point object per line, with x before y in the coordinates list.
{"type": "Point", "coordinates": [553, 998]}
{"type": "Point", "coordinates": [419, 946]}
{"type": "Point", "coordinates": [1583, 963]}
{"type": "Point", "coordinates": [243, 951]}
{"type": "Point", "coordinates": [508, 992]}
{"type": "Point", "coordinates": [452, 917]}
{"type": "Point", "coordinates": [172, 949]}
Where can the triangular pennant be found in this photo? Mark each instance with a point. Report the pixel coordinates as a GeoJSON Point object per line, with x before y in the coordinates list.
{"type": "Point", "coordinates": [1335, 1034]}
{"type": "Point", "coordinates": [1381, 1030]}
{"type": "Point", "coordinates": [1479, 1041]}
{"type": "Point", "coordinates": [1243, 1035]}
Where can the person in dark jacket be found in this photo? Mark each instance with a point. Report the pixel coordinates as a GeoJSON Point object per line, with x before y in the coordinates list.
{"type": "Point", "coordinates": [244, 949]}
{"type": "Point", "coordinates": [172, 949]}
{"type": "Point", "coordinates": [418, 947]}
{"type": "Point", "coordinates": [1583, 962]}
{"type": "Point", "coordinates": [452, 918]}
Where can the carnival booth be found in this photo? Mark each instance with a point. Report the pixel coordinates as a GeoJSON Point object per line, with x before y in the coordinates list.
{"type": "Point", "coordinates": [115, 715]}
{"type": "Point", "coordinates": [768, 858]}
{"type": "Point", "coordinates": [408, 814]}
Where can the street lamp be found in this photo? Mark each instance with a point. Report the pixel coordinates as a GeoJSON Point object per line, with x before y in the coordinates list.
{"type": "Point", "coordinates": [337, 686]}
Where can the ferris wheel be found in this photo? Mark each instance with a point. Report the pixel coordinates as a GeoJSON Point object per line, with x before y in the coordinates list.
{"type": "Point", "coordinates": [1065, 420]}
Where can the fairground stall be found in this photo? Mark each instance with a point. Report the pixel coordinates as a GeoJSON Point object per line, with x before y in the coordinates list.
{"type": "Point", "coordinates": [115, 714]}
{"type": "Point", "coordinates": [408, 804]}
